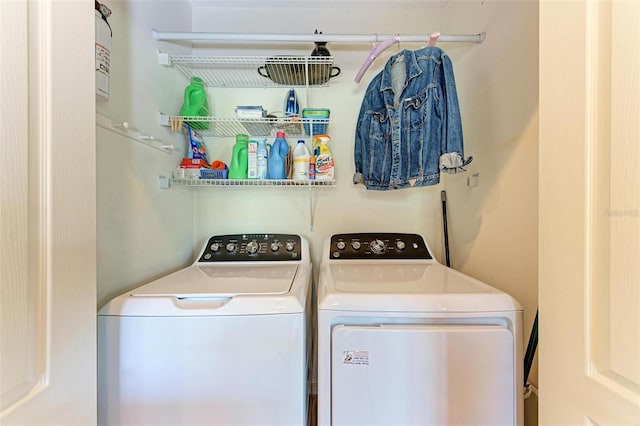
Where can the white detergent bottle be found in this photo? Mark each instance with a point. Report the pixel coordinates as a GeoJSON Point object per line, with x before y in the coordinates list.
{"type": "Point", "coordinates": [300, 162]}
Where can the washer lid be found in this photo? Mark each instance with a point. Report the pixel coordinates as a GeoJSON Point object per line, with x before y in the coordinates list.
{"type": "Point", "coordinates": [222, 281]}
{"type": "Point", "coordinates": [220, 290]}
{"type": "Point", "coordinates": [407, 287]}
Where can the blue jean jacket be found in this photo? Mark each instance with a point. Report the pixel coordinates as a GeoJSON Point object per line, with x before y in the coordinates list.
{"type": "Point", "coordinates": [409, 127]}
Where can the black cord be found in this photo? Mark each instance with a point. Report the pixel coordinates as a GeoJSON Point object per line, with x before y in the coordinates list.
{"type": "Point", "coordinates": [443, 197]}
{"type": "Point", "coordinates": [531, 349]}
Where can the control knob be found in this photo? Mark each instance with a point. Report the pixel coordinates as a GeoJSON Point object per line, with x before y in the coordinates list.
{"type": "Point", "coordinates": [231, 247]}
{"type": "Point", "coordinates": [252, 247]}
{"type": "Point", "coordinates": [289, 245]}
{"type": "Point", "coordinates": [400, 245]}
{"type": "Point", "coordinates": [215, 247]}
{"type": "Point", "coordinates": [377, 246]}
{"type": "Point", "coordinates": [341, 245]}
{"type": "Point", "coordinates": [356, 245]}
{"type": "Point", "coordinates": [275, 247]}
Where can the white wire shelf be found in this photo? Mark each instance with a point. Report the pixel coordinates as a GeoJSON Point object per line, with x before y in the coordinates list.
{"type": "Point", "coordinates": [231, 126]}
{"type": "Point", "coordinates": [246, 183]}
{"type": "Point", "coordinates": [255, 71]}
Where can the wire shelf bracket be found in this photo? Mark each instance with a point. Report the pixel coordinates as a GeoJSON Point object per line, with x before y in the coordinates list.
{"type": "Point", "coordinates": [124, 128]}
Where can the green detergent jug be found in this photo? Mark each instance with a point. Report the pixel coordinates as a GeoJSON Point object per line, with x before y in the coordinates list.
{"type": "Point", "coordinates": [196, 103]}
{"type": "Point", "coordinates": [239, 158]}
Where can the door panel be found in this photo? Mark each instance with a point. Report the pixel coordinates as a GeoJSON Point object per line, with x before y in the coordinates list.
{"type": "Point", "coordinates": [47, 214]}
{"type": "Point", "coordinates": [423, 375]}
{"type": "Point", "coordinates": [590, 217]}
{"type": "Point", "coordinates": [21, 301]}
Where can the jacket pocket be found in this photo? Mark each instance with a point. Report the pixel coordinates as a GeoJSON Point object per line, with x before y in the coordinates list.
{"type": "Point", "coordinates": [377, 159]}
{"type": "Point", "coordinates": [417, 110]}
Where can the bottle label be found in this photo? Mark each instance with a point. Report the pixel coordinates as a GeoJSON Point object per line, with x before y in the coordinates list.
{"type": "Point", "coordinates": [300, 168]}
{"type": "Point", "coordinates": [324, 167]}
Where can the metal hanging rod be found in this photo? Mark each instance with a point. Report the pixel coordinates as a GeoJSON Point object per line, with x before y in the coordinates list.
{"type": "Point", "coordinates": [335, 38]}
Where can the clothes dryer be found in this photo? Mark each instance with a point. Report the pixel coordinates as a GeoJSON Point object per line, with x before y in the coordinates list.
{"type": "Point", "coordinates": [221, 342]}
{"type": "Point", "coordinates": [404, 340]}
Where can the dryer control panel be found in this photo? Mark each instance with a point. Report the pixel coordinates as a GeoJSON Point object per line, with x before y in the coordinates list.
{"type": "Point", "coordinates": [252, 247]}
{"type": "Point", "coordinates": [380, 245]}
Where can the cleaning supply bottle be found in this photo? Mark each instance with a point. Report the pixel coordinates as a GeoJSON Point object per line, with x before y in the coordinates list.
{"type": "Point", "coordinates": [262, 159]}
{"type": "Point", "coordinates": [278, 154]}
{"type": "Point", "coordinates": [239, 158]}
{"type": "Point", "coordinates": [324, 160]}
{"type": "Point", "coordinates": [312, 167]}
{"type": "Point", "coordinates": [300, 161]}
{"type": "Point", "coordinates": [196, 103]}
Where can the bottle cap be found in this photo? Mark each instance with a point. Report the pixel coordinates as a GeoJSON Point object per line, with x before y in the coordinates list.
{"type": "Point", "coordinates": [279, 134]}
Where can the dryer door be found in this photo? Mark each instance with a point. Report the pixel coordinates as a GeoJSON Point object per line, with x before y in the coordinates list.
{"type": "Point", "coordinates": [423, 375]}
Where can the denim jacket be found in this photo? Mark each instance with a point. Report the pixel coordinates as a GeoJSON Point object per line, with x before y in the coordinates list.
{"type": "Point", "coordinates": [409, 128]}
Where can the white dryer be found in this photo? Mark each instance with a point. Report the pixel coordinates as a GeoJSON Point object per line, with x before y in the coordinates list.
{"type": "Point", "coordinates": [404, 340]}
{"type": "Point", "coordinates": [221, 342]}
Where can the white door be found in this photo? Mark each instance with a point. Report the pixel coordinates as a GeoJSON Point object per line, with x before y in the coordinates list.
{"type": "Point", "coordinates": [47, 213]}
{"type": "Point", "coordinates": [589, 213]}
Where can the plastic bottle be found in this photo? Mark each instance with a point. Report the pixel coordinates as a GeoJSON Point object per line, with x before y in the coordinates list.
{"type": "Point", "coordinates": [196, 103]}
{"type": "Point", "coordinates": [291, 106]}
{"type": "Point", "coordinates": [300, 162]}
{"type": "Point", "coordinates": [324, 160]}
{"type": "Point", "coordinates": [312, 167]}
{"type": "Point", "coordinates": [262, 159]}
{"type": "Point", "coordinates": [278, 154]}
{"type": "Point", "coordinates": [239, 155]}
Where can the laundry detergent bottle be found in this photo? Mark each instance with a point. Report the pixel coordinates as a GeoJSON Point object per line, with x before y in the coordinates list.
{"type": "Point", "coordinates": [300, 162]}
{"type": "Point", "coordinates": [196, 103]}
{"type": "Point", "coordinates": [239, 158]}
{"type": "Point", "coordinates": [277, 157]}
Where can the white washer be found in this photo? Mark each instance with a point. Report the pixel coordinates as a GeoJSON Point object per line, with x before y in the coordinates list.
{"type": "Point", "coordinates": [221, 342]}
{"type": "Point", "coordinates": [404, 340]}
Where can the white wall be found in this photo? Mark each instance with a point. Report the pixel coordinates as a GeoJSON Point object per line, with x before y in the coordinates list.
{"type": "Point", "coordinates": [143, 231]}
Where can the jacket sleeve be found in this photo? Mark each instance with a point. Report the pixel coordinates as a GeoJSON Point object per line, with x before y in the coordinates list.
{"type": "Point", "coordinates": [358, 146]}
{"type": "Point", "coordinates": [452, 152]}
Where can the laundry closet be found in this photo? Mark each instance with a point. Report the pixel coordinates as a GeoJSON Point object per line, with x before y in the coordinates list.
{"type": "Point", "coordinates": [149, 225]}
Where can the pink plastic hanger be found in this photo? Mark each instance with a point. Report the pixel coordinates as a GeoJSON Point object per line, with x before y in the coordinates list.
{"type": "Point", "coordinates": [373, 54]}
{"type": "Point", "coordinates": [433, 39]}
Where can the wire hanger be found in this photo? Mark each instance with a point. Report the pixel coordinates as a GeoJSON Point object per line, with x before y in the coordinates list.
{"type": "Point", "coordinates": [373, 54]}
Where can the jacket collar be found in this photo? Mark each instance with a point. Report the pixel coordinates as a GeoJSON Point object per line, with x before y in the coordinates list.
{"type": "Point", "coordinates": [413, 70]}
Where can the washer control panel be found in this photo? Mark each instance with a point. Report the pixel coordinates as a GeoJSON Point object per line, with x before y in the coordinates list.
{"type": "Point", "coordinates": [252, 247]}
{"type": "Point", "coordinates": [378, 246]}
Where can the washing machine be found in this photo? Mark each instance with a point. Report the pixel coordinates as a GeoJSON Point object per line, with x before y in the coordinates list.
{"type": "Point", "coordinates": [404, 340]}
{"type": "Point", "coordinates": [221, 342]}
